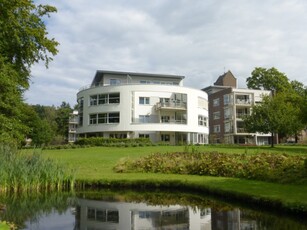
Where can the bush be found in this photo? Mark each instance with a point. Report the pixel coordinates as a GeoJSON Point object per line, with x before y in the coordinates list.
{"type": "Point", "coordinates": [280, 168]}
{"type": "Point", "coordinates": [113, 142]}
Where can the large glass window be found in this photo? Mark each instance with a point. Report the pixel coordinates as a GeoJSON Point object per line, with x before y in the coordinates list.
{"type": "Point", "coordinates": [113, 98]}
{"type": "Point", "coordinates": [102, 99]}
{"type": "Point", "coordinates": [93, 100]}
{"type": "Point", "coordinates": [165, 137]}
{"type": "Point", "coordinates": [102, 118]}
{"type": "Point", "coordinates": [113, 118]}
{"type": "Point", "coordinates": [93, 119]}
{"type": "Point", "coordinates": [144, 100]}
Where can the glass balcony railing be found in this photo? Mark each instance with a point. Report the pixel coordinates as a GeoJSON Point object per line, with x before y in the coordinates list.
{"type": "Point", "coordinates": [171, 105]}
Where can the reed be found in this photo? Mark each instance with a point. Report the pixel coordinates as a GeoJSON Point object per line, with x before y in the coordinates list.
{"type": "Point", "coordinates": [24, 172]}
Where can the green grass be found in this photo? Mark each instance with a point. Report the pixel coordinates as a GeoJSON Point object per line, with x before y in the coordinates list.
{"type": "Point", "coordinates": [95, 165]}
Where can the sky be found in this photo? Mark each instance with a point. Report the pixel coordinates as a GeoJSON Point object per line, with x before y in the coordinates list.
{"type": "Point", "coordinates": [199, 39]}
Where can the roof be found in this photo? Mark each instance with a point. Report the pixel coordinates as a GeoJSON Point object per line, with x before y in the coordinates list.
{"type": "Point", "coordinates": [100, 73]}
{"type": "Point", "coordinates": [221, 79]}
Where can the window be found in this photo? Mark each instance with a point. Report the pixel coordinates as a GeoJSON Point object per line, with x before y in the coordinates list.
{"type": "Point", "coordinates": [226, 99]}
{"type": "Point", "coordinates": [143, 135]}
{"type": "Point", "coordinates": [101, 99]}
{"type": "Point", "coordinates": [216, 129]}
{"type": "Point", "coordinates": [102, 118]}
{"type": "Point", "coordinates": [228, 128]}
{"type": "Point", "coordinates": [114, 81]}
{"type": "Point", "coordinates": [216, 102]}
{"type": "Point", "coordinates": [93, 119]}
{"type": "Point", "coordinates": [113, 118]}
{"type": "Point", "coordinates": [93, 100]}
{"type": "Point", "coordinates": [216, 115]}
{"type": "Point", "coordinates": [113, 98]}
{"type": "Point", "coordinates": [227, 114]}
{"type": "Point", "coordinates": [202, 120]}
{"type": "Point", "coordinates": [144, 118]}
{"type": "Point", "coordinates": [144, 100]}
{"type": "Point", "coordinates": [165, 137]}
{"type": "Point", "coordinates": [144, 82]}
{"type": "Point", "coordinates": [118, 135]}
{"type": "Point", "coordinates": [165, 119]}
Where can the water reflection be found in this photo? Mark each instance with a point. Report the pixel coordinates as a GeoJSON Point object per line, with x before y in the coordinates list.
{"type": "Point", "coordinates": [135, 211]}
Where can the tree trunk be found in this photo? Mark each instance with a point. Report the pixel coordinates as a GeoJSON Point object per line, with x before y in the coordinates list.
{"type": "Point", "coordinates": [272, 140]}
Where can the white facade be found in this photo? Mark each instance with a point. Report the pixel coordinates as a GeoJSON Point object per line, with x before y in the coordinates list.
{"type": "Point", "coordinates": [133, 105]}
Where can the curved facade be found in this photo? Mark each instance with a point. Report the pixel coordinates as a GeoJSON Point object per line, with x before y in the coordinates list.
{"type": "Point", "coordinates": [133, 105]}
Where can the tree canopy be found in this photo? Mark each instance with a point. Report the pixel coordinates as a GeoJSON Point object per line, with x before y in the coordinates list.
{"type": "Point", "coordinates": [267, 79]}
{"type": "Point", "coordinates": [284, 112]}
{"type": "Point", "coordinates": [23, 42]}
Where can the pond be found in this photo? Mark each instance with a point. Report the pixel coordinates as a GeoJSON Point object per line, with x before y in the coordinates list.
{"type": "Point", "coordinates": [107, 209]}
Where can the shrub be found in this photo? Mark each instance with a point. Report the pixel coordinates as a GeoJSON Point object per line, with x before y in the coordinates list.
{"type": "Point", "coordinates": [101, 141]}
{"type": "Point", "coordinates": [265, 167]}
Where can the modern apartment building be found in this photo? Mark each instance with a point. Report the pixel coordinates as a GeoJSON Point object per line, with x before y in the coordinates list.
{"type": "Point", "coordinates": [227, 106]}
{"type": "Point", "coordinates": [133, 105]}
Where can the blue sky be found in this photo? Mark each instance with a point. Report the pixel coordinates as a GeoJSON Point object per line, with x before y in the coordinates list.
{"type": "Point", "coordinates": [198, 39]}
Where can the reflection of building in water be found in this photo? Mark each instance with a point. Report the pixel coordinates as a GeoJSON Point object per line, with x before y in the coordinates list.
{"type": "Point", "coordinates": [96, 215]}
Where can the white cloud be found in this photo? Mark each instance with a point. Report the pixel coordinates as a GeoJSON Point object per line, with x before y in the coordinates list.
{"type": "Point", "coordinates": [198, 39]}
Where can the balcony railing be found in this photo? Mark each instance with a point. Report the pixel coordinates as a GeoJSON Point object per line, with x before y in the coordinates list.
{"type": "Point", "coordinates": [171, 105]}
{"type": "Point", "coordinates": [243, 101]}
{"type": "Point", "coordinates": [73, 120]}
{"type": "Point", "coordinates": [126, 83]}
{"type": "Point", "coordinates": [241, 115]}
{"type": "Point", "coordinates": [241, 130]}
{"type": "Point", "coordinates": [139, 121]}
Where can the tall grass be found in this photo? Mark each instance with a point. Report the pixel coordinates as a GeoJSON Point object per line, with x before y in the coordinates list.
{"type": "Point", "coordinates": [20, 172]}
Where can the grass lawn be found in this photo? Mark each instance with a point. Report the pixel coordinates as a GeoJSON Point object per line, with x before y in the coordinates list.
{"type": "Point", "coordinates": [96, 163]}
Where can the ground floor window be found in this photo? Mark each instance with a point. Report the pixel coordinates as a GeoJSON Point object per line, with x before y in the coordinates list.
{"type": "Point", "coordinates": [144, 135]}
{"type": "Point", "coordinates": [165, 137]}
{"type": "Point", "coordinates": [118, 135]}
{"type": "Point", "coordinates": [202, 138]}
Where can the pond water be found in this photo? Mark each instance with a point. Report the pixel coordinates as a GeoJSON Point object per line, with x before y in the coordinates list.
{"type": "Point", "coordinates": [95, 210]}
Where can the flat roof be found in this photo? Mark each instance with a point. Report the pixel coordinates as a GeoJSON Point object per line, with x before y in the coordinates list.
{"type": "Point", "coordinates": [98, 72]}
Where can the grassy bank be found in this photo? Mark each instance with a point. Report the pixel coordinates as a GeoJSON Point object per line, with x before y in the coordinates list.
{"type": "Point", "coordinates": [94, 166]}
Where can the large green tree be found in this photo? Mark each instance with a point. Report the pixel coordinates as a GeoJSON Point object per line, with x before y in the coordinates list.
{"type": "Point", "coordinates": [267, 79]}
{"type": "Point", "coordinates": [284, 112]}
{"type": "Point", "coordinates": [274, 115]}
{"type": "Point", "coordinates": [23, 42]}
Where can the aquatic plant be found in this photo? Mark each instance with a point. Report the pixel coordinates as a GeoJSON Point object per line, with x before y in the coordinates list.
{"type": "Point", "coordinates": [21, 171]}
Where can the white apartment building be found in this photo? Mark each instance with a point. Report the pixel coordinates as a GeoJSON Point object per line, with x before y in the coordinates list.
{"type": "Point", "coordinates": [142, 105]}
{"type": "Point", "coordinates": [227, 106]}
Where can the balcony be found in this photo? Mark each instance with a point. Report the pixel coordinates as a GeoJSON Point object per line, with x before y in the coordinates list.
{"type": "Point", "coordinates": [241, 130]}
{"type": "Point", "coordinates": [243, 101]}
{"type": "Point", "coordinates": [73, 120]}
{"type": "Point", "coordinates": [171, 106]}
{"type": "Point", "coordinates": [241, 115]}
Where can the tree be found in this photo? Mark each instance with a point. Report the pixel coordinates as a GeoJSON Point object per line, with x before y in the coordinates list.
{"type": "Point", "coordinates": [23, 42]}
{"type": "Point", "coordinates": [289, 100]}
{"type": "Point", "coordinates": [62, 119]}
{"type": "Point", "coordinates": [274, 115]}
{"type": "Point", "coordinates": [268, 79]}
